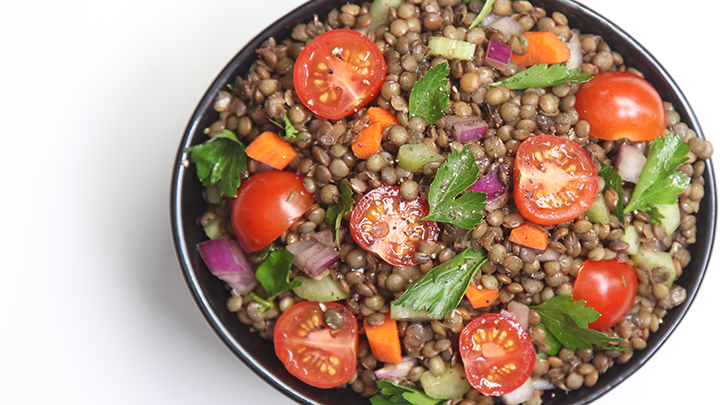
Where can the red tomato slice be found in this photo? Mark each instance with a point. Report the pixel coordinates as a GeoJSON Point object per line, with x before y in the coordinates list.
{"type": "Point", "coordinates": [385, 224]}
{"type": "Point", "coordinates": [338, 73]}
{"type": "Point", "coordinates": [555, 180]}
{"type": "Point", "coordinates": [266, 205]}
{"type": "Point", "coordinates": [621, 105]}
{"type": "Point", "coordinates": [497, 353]}
{"type": "Point", "coordinates": [609, 287]}
{"type": "Point", "coordinates": [313, 352]}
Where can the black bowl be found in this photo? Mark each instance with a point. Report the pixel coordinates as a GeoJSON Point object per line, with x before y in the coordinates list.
{"type": "Point", "coordinates": [210, 294]}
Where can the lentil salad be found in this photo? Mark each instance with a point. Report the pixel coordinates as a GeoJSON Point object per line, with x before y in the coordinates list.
{"type": "Point", "coordinates": [501, 260]}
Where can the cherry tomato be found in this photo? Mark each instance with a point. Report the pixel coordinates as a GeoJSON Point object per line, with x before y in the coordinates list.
{"type": "Point", "coordinates": [266, 205]}
{"type": "Point", "coordinates": [621, 105]}
{"type": "Point", "coordinates": [387, 225]}
{"type": "Point", "coordinates": [608, 286]}
{"type": "Point", "coordinates": [311, 350]}
{"type": "Point", "coordinates": [338, 73]}
{"type": "Point", "coordinates": [555, 180]}
{"type": "Point", "coordinates": [498, 354]}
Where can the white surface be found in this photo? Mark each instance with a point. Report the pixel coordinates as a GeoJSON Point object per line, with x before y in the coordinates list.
{"type": "Point", "coordinates": [94, 97]}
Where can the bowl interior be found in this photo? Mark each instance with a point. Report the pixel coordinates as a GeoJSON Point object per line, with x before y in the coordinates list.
{"type": "Point", "coordinates": [210, 294]}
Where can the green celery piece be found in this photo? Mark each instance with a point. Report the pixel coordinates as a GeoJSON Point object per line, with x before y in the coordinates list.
{"type": "Point", "coordinates": [431, 96]}
{"type": "Point", "coordinates": [379, 10]}
{"type": "Point", "coordinates": [451, 48]}
{"type": "Point", "coordinates": [413, 157]}
{"type": "Point", "coordinates": [220, 160]}
{"type": "Point", "coordinates": [614, 182]}
{"type": "Point", "coordinates": [543, 76]}
{"type": "Point", "coordinates": [484, 12]}
{"type": "Point", "coordinates": [442, 288]}
{"type": "Point", "coordinates": [335, 212]}
{"type": "Point", "coordinates": [395, 394]}
{"type": "Point", "coordinates": [274, 276]}
{"type": "Point", "coordinates": [452, 178]}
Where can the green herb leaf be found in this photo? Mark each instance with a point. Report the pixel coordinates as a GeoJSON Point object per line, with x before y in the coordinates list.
{"type": "Point", "coordinates": [289, 131]}
{"type": "Point", "coordinates": [568, 320]}
{"type": "Point", "coordinates": [614, 182]}
{"type": "Point", "coordinates": [659, 183]}
{"type": "Point", "coordinates": [431, 96]}
{"type": "Point", "coordinates": [396, 394]}
{"type": "Point", "coordinates": [274, 276]}
{"type": "Point", "coordinates": [487, 8]}
{"type": "Point", "coordinates": [220, 160]}
{"type": "Point", "coordinates": [543, 76]}
{"type": "Point", "coordinates": [452, 178]}
{"type": "Point", "coordinates": [441, 289]}
{"type": "Point", "coordinates": [335, 212]}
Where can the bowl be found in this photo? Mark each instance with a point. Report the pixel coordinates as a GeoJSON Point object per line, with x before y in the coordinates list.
{"type": "Point", "coordinates": [210, 293]}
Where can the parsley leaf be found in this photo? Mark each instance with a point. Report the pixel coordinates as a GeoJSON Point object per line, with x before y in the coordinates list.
{"type": "Point", "coordinates": [614, 182]}
{"type": "Point", "coordinates": [487, 8]}
{"type": "Point", "coordinates": [335, 212]}
{"type": "Point", "coordinates": [659, 183]}
{"type": "Point", "coordinates": [431, 96]}
{"type": "Point", "coordinates": [289, 130]}
{"type": "Point", "coordinates": [220, 160]}
{"type": "Point", "coordinates": [568, 321]}
{"type": "Point", "coordinates": [452, 178]}
{"type": "Point", "coordinates": [441, 289]}
{"type": "Point", "coordinates": [396, 394]}
{"type": "Point", "coordinates": [274, 276]}
{"type": "Point", "coordinates": [543, 76]}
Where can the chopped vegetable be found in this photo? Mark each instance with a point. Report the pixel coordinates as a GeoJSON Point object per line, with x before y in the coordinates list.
{"type": "Point", "coordinates": [614, 182]}
{"type": "Point", "coordinates": [213, 228]}
{"type": "Point", "coordinates": [653, 260]}
{"type": "Point", "coordinates": [327, 238]}
{"type": "Point", "coordinates": [451, 48]}
{"type": "Point", "coordinates": [520, 394]}
{"type": "Point", "coordinates": [543, 76]}
{"type": "Point", "coordinates": [481, 297]}
{"type": "Point", "coordinates": [381, 116]}
{"type": "Point", "coordinates": [466, 129]}
{"type": "Point", "coordinates": [399, 370]}
{"type": "Point", "coordinates": [324, 290]}
{"type": "Point", "coordinates": [529, 235]}
{"type": "Point", "coordinates": [335, 212]}
{"type": "Point", "coordinates": [498, 54]}
{"type": "Point", "coordinates": [629, 163]}
{"type": "Point", "coordinates": [400, 313]}
{"type": "Point", "coordinates": [384, 341]}
{"type": "Point", "coordinates": [442, 288]}
{"type": "Point", "coordinates": [631, 237]}
{"type": "Point", "coordinates": [220, 160]}
{"type": "Point", "coordinates": [453, 383]}
{"type": "Point", "coordinates": [368, 142]}
{"type": "Point", "coordinates": [379, 10]}
{"type": "Point", "coordinates": [487, 9]}
{"type": "Point", "coordinates": [494, 188]}
{"type": "Point", "coordinates": [550, 340]}
{"type": "Point", "coordinates": [598, 212]}
{"type": "Point", "coordinates": [272, 150]}
{"type": "Point", "coordinates": [669, 217]}
{"type": "Point", "coordinates": [453, 178]}
{"type": "Point", "coordinates": [228, 262]}
{"type": "Point", "coordinates": [274, 276]}
{"type": "Point", "coordinates": [312, 257]}
{"type": "Point", "coordinates": [507, 26]}
{"type": "Point", "coordinates": [431, 96]}
{"type": "Point", "coordinates": [413, 157]}
{"type": "Point", "coordinates": [395, 394]}
{"type": "Point", "coordinates": [544, 47]}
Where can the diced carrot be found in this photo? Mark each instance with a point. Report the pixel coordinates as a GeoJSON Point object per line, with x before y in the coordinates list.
{"type": "Point", "coordinates": [368, 142]}
{"type": "Point", "coordinates": [382, 116]}
{"type": "Point", "coordinates": [384, 341]}
{"type": "Point", "coordinates": [481, 298]}
{"type": "Point", "coordinates": [543, 47]}
{"type": "Point", "coordinates": [272, 150]}
{"type": "Point", "coordinates": [530, 236]}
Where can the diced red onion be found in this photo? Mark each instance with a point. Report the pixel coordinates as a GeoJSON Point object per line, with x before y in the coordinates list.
{"type": "Point", "coordinates": [507, 26]}
{"type": "Point", "coordinates": [227, 261]}
{"type": "Point", "coordinates": [498, 55]}
{"type": "Point", "coordinates": [399, 370]}
{"type": "Point", "coordinates": [312, 257]}
{"type": "Point", "coordinates": [542, 384]}
{"type": "Point", "coordinates": [575, 48]}
{"type": "Point", "coordinates": [547, 255]}
{"type": "Point", "coordinates": [521, 394]}
{"type": "Point", "coordinates": [521, 313]}
{"type": "Point", "coordinates": [327, 237]}
{"type": "Point", "coordinates": [259, 117]}
{"type": "Point", "coordinates": [629, 163]}
{"type": "Point", "coordinates": [466, 129]}
{"type": "Point", "coordinates": [491, 185]}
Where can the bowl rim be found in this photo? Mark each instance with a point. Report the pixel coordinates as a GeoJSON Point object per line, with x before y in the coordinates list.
{"type": "Point", "coordinates": [187, 260]}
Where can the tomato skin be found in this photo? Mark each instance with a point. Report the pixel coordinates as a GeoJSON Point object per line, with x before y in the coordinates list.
{"type": "Point", "coordinates": [301, 332]}
{"type": "Point", "coordinates": [338, 73]}
{"type": "Point", "coordinates": [393, 218]}
{"type": "Point", "coordinates": [266, 205]}
{"type": "Point", "coordinates": [621, 105]}
{"type": "Point", "coordinates": [492, 367]}
{"type": "Point", "coordinates": [560, 187]}
{"type": "Point", "coordinates": [608, 286]}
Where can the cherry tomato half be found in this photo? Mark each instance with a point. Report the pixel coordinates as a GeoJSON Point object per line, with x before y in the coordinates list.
{"type": "Point", "coordinates": [266, 205]}
{"type": "Point", "coordinates": [498, 354]}
{"type": "Point", "coordinates": [338, 73]}
{"type": "Point", "coordinates": [609, 287]}
{"type": "Point", "coordinates": [311, 350]}
{"type": "Point", "coordinates": [387, 225]}
{"type": "Point", "coordinates": [621, 105]}
{"type": "Point", "coordinates": [555, 179]}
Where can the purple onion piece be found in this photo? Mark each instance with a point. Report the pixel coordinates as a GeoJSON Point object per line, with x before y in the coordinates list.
{"type": "Point", "coordinates": [547, 255]}
{"type": "Point", "coordinates": [465, 129]}
{"type": "Point", "coordinates": [507, 26]}
{"type": "Point", "coordinates": [227, 261]}
{"type": "Point", "coordinates": [491, 185]}
{"type": "Point", "coordinates": [327, 237]}
{"type": "Point", "coordinates": [629, 163]}
{"type": "Point", "coordinates": [312, 257]}
{"type": "Point", "coordinates": [498, 55]}
{"type": "Point", "coordinates": [399, 370]}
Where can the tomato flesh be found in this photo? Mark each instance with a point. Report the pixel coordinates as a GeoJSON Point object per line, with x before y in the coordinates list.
{"type": "Point", "coordinates": [609, 287]}
{"type": "Point", "coordinates": [266, 205]}
{"type": "Point", "coordinates": [389, 226]}
{"type": "Point", "coordinates": [338, 73]}
{"type": "Point", "coordinates": [555, 180]}
{"type": "Point", "coordinates": [312, 351]}
{"type": "Point", "coordinates": [497, 353]}
{"type": "Point", "coordinates": [621, 105]}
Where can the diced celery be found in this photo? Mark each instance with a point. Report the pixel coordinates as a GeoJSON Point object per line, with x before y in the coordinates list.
{"type": "Point", "coordinates": [399, 313]}
{"type": "Point", "coordinates": [213, 194]}
{"type": "Point", "coordinates": [631, 238]}
{"type": "Point", "coordinates": [324, 290]}
{"type": "Point", "coordinates": [653, 259]}
{"type": "Point", "coordinates": [212, 229]}
{"type": "Point", "coordinates": [452, 384]}
{"type": "Point", "coordinates": [451, 48]}
{"type": "Point", "coordinates": [551, 341]}
{"type": "Point", "coordinates": [598, 211]}
{"type": "Point", "coordinates": [671, 214]}
{"type": "Point", "coordinates": [414, 157]}
{"type": "Point", "coordinates": [379, 10]}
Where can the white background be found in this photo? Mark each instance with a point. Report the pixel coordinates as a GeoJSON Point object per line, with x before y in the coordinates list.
{"type": "Point", "coordinates": [94, 97]}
